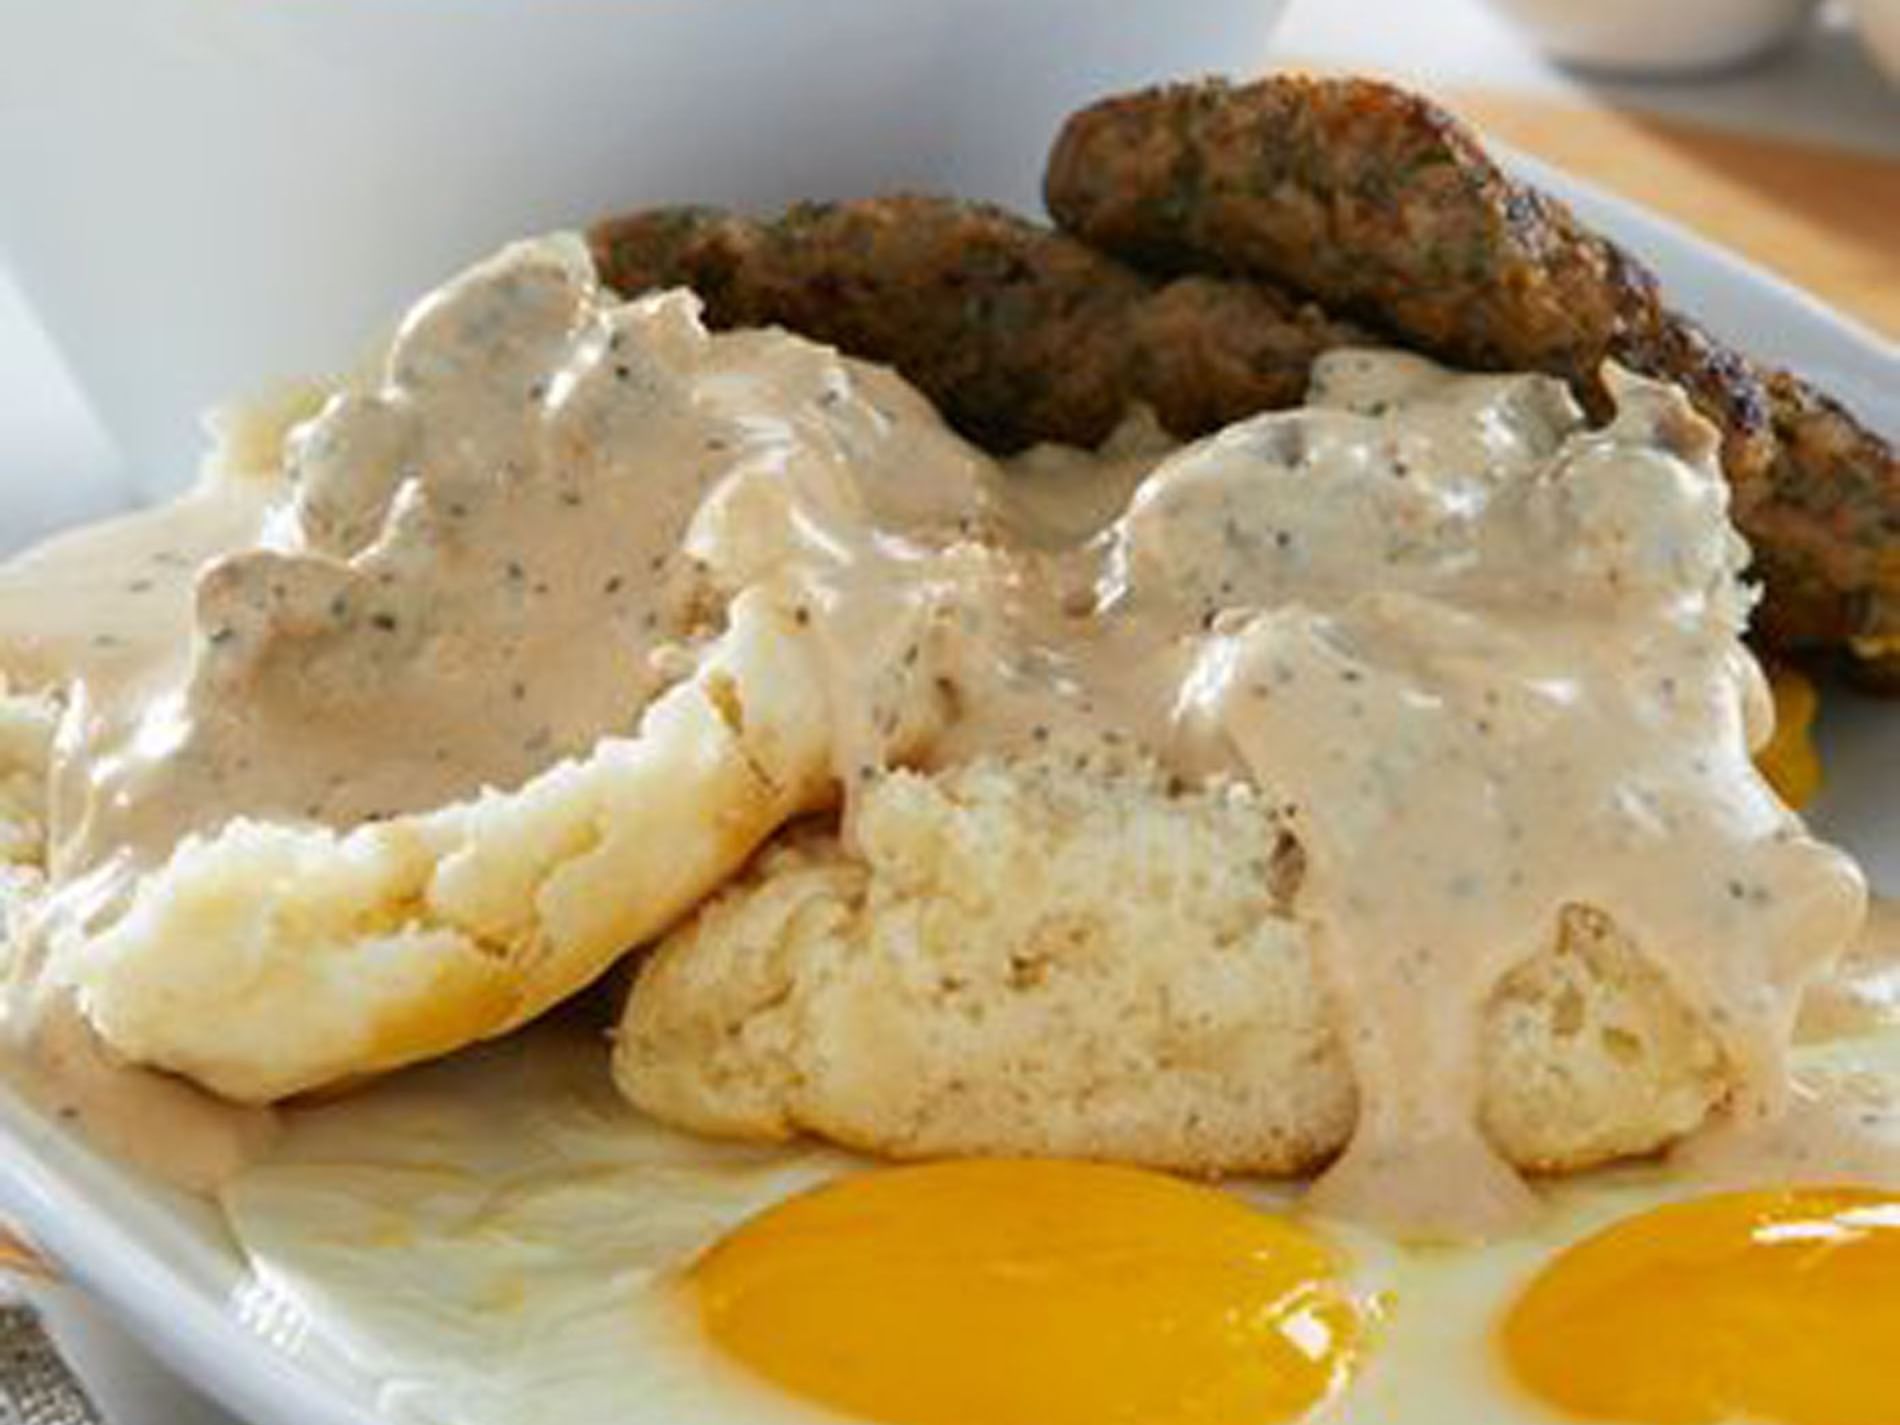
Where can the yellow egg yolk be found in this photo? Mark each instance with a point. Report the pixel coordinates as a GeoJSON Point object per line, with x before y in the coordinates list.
{"type": "Point", "coordinates": [1776, 1308]}
{"type": "Point", "coordinates": [1028, 1292]}
{"type": "Point", "coordinates": [1789, 760]}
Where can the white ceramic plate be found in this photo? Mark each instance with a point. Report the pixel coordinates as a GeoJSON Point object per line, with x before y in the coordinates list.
{"type": "Point", "coordinates": [165, 1265]}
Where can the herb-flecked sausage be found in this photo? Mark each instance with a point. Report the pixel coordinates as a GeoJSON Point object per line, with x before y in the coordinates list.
{"type": "Point", "coordinates": [1380, 205]}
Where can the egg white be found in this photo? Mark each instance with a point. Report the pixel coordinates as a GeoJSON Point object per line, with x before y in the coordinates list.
{"type": "Point", "coordinates": [489, 1239]}
{"type": "Point", "coordinates": [493, 1238]}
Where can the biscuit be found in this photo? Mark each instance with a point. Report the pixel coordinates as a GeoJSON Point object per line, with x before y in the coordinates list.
{"type": "Point", "coordinates": [1064, 954]}
{"type": "Point", "coordinates": [272, 958]}
{"type": "Point", "coordinates": [527, 664]}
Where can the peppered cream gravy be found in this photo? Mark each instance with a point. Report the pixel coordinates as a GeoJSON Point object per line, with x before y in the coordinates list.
{"type": "Point", "coordinates": [1485, 659]}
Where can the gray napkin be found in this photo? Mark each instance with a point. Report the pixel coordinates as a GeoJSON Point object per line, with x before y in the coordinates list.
{"type": "Point", "coordinates": [35, 1386]}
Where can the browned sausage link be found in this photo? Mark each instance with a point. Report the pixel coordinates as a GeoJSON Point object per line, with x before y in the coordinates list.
{"type": "Point", "coordinates": [1836, 500]}
{"type": "Point", "coordinates": [1378, 203]}
{"type": "Point", "coordinates": [1381, 206]}
{"type": "Point", "coordinates": [1362, 194]}
{"type": "Point", "coordinates": [1018, 333]}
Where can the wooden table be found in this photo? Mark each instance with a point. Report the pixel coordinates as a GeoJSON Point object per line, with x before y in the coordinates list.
{"type": "Point", "coordinates": [1827, 219]}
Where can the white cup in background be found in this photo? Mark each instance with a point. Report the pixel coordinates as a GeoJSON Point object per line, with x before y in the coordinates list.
{"type": "Point", "coordinates": [202, 197]}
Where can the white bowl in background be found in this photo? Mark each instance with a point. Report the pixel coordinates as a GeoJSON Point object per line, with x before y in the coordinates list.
{"type": "Point", "coordinates": [205, 196]}
{"type": "Point", "coordinates": [1648, 38]}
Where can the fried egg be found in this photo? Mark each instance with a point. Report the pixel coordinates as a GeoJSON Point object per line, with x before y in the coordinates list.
{"type": "Point", "coordinates": [499, 1238]}
{"type": "Point", "coordinates": [1777, 1305]}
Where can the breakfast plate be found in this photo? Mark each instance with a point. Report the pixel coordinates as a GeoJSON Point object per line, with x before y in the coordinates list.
{"type": "Point", "coordinates": [165, 1263]}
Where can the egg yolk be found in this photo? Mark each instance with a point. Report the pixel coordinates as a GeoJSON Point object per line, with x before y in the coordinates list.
{"type": "Point", "coordinates": [1780, 1308]}
{"type": "Point", "coordinates": [1029, 1292]}
{"type": "Point", "coordinates": [1789, 760]}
